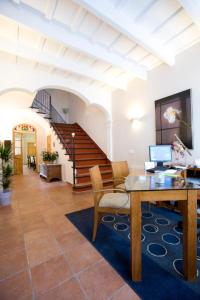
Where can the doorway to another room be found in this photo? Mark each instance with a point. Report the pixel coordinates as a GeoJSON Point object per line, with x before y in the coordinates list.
{"type": "Point", "coordinates": [24, 149]}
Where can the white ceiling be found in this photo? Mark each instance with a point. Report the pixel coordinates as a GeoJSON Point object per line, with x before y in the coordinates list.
{"type": "Point", "coordinates": [98, 43]}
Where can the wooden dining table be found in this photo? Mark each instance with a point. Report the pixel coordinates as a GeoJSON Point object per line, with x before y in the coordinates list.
{"type": "Point", "coordinates": [145, 188]}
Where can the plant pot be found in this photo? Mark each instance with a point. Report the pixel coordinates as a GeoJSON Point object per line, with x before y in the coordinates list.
{"type": "Point", "coordinates": [5, 197]}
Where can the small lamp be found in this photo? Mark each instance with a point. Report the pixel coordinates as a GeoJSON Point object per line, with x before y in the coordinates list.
{"type": "Point", "coordinates": [73, 135]}
{"type": "Point", "coordinates": [136, 122]}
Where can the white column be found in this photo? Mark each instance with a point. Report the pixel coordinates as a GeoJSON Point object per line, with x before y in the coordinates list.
{"type": "Point", "coordinates": [109, 151]}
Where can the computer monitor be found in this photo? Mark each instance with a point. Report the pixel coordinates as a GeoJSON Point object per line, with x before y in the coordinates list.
{"type": "Point", "coordinates": [160, 154]}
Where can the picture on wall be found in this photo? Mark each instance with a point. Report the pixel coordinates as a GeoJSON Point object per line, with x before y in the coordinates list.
{"type": "Point", "coordinates": [173, 116]}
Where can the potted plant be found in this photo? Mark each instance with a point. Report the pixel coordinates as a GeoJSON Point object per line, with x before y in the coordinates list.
{"type": "Point", "coordinates": [6, 169]}
{"type": "Point", "coordinates": [54, 156]}
{"type": "Point", "coordinates": [49, 157]}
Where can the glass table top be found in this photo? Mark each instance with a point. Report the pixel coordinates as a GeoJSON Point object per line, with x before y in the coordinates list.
{"type": "Point", "coordinates": [150, 183]}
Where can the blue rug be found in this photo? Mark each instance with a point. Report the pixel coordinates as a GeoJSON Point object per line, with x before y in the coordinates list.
{"type": "Point", "coordinates": [161, 252]}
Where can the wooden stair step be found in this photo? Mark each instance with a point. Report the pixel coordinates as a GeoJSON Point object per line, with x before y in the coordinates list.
{"type": "Point", "coordinates": [70, 130]}
{"type": "Point", "coordinates": [90, 166]}
{"type": "Point", "coordinates": [87, 151]}
{"type": "Point", "coordinates": [88, 174]}
{"type": "Point", "coordinates": [88, 186]}
{"type": "Point", "coordinates": [34, 107]}
{"type": "Point", "coordinates": [89, 155]}
{"type": "Point", "coordinates": [85, 177]}
{"type": "Point", "coordinates": [61, 125]}
{"type": "Point", "coordinates": [41, 112]}
{"type": "Point", "coordinates": [80, 146]}
{"type": "Point", "coordinates": [92, 158]}
{"type": "Point", "coordinates": [69, 127]}
{"type": "Point", "coordinates": [85, 168]}
{"type": "Point", "coordinates": [82, 142]}
{"type": "Point", "coordinates": [77, 138]}
{"type": "Point", "coordinates": [83, 161]}
{"type": "Point", "coordinates": [69, 133]}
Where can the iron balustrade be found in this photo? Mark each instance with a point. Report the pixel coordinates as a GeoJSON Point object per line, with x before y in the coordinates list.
{"type": "Point", "coordinates": [42, 102]}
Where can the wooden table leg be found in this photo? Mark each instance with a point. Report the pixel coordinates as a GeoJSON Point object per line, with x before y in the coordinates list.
{"type": "Point", "coordinates": [135, 230]}
{"type": "Point", "coordinates": [190, 235]}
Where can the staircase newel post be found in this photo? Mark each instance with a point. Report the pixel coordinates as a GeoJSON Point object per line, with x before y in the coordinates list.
{"type": "Point", "coordinates": [73, 156]}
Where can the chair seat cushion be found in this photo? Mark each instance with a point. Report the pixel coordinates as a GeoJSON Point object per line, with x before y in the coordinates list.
{"type": "Point", "coordinates": [115, 200]}
{"type": "Point", "coordinates": [120, 186]}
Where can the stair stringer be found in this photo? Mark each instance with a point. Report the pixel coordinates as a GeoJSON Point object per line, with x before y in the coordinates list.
{"type": "Point", "coordinates": [63, 159]}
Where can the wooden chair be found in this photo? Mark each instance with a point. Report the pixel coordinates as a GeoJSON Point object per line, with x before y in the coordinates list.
{"type": "Point", "coordinates": [120, 171]}
{"type": "Point", "coordinates": [29, 161]}
{"type": "Point", "coordinates": [198, 213]}
{"type": "Point", "coordinates": [105, 201]}
{"type": "Point", "coordinates": [33, 162]}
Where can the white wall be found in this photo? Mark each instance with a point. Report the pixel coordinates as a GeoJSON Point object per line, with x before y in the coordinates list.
{"type": "Point", "coordinates": [91, 119]}
{"type": "Point", "coordinates": [132, 143]}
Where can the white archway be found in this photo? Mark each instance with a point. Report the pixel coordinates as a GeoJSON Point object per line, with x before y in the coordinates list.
{"type": "Point", "coordinates": [32, 80]}
{"type": "Point", "coordinates": [69, 90]}
{"type": "Point", "coordinates": [18, 89]}
{"type": "Point", "coordinates": [101, 108]}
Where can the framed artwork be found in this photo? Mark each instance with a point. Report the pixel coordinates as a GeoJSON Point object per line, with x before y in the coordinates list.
{"type": "Point", "coordinates": [173, 117]}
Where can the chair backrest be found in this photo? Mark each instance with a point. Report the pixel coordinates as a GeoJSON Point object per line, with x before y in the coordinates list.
{"type": "Point", "coordinates": [97, 182]}
{"type": "Point", "coordinates": [119, 170]}
{"type": "Point", "coordinates": [96, 179]}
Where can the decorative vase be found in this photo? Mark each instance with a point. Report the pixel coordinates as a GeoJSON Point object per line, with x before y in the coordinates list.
{"type": "Point", "coordinates": [5, 197]}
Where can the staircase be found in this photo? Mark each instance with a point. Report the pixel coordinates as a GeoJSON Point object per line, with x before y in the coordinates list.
{"type": "Point", "coordinates": [82, 150]}
{"type": "Point", "coordinates": [84, 153]}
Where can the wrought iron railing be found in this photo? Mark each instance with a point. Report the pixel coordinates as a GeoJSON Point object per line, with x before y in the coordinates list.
{"type": "Point", "coordinates": [42, 102]}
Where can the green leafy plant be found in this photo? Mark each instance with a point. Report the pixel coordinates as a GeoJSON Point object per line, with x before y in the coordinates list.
{"type": "Point", "coordinates": [7, 172]}
{"type": "Point", "coordinates": [5, 156]}
{"type": "Point", "coordinates": [49, 156]}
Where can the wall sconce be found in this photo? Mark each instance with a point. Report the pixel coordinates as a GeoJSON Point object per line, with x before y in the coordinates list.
{"type": "Point", "coordinates": [136, 122]}
{"type": "Point", "coordinates": [73, 135]}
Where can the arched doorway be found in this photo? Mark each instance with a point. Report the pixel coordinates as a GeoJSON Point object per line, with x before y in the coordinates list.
{"type": "Point", "coordinates": [24, 148]}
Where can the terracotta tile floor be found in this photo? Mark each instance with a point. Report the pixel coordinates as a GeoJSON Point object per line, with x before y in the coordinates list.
{"type": "Point", "coordinates": [43, 256]}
